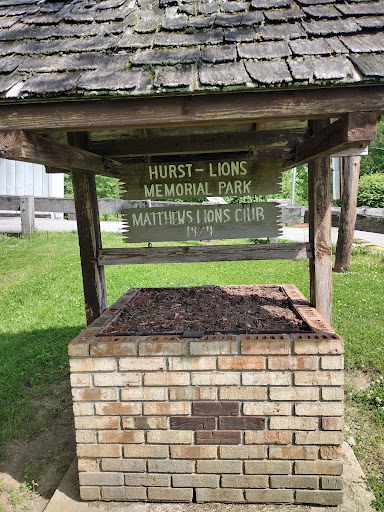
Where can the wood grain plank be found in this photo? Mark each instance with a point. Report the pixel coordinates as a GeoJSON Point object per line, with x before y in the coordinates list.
{"type": "Point", "coordinates": [245, 107]}
{"type": "Point", "coordinates": [193, 254]}
{"type": "Point", "coordinates": [203, 222]}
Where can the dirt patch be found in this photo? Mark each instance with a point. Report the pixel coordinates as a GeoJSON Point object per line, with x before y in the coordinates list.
{"type": "Point", "coordinates": [32, 469]}
{"type": "Point", "coordinates": [210, 309]}
{"type": "Point", "coordinates": [358, 380]}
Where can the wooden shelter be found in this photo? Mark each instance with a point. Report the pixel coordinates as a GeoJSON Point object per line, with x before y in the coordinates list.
{"type": "Point", "coordinates": [99, 87]}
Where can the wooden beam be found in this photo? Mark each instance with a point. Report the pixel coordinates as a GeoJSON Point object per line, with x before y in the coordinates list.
{"type": "Point", "coordinates": [351, 130]}
{"type": "Point", "coordinates": [88, 229]}
{"type": "Point", "coordinates": [351, 172]}
{"type": "Point", "coordinates": [29, 147]}
{"type": "Point", "coordinates": [241, 107]}
{"type": "Point", "coordinates": [320, 262]}
{"type": "Point", "coordinates": [198, 143]}
{"type": "Point", "coordinates": [193, 254]}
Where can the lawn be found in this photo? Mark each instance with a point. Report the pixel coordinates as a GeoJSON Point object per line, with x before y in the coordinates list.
{"type": "Point", "coordinates": [42, 309]}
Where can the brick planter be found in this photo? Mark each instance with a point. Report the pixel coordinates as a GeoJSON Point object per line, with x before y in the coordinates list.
{"type": "Point", "coordinates": [249, 418]}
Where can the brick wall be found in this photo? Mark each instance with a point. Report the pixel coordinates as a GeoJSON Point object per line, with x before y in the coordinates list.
{"type": "Point", "coordinates": [243, 419]}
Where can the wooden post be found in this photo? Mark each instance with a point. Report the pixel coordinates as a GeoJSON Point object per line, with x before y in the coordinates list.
{"type": "Point", "coordinates": [320, 262]}
{"type": "Point", "coordinates": [351, 171]}
{"type": "Point", "coordinates": [27, 214]}
{"type": "Point", "coordinates": [88, 227]}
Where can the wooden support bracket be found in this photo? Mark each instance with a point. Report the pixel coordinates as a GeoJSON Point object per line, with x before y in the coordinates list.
{"type": "Point", "coordinates": [353, 130]}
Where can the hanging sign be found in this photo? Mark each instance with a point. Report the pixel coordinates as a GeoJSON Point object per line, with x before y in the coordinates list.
{"type": "Point", "coordinates": [205, 222]}
{"type": "Point", "coordinates": [201, 179]}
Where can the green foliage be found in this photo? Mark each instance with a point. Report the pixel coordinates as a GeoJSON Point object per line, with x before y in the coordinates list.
{"type": "Point", "coordinates": [374, 161]}
{"type": "Point", "coordinates": [371, 190]}
{"type": "Point", "coordinates": [105, 186]}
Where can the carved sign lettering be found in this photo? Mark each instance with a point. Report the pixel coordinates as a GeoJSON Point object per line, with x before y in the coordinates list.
{"type": "Point", "coordinates": [205, 222]}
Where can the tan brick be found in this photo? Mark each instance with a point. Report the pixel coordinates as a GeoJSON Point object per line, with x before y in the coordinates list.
{"type": "Point", "coordinates": [154, 394]}
{"type": "Point", "coordinates": [191, 363]}
{"type": "Point", "coordinates": [171, 466]}
{"type": "Point", "coordinates": [331, 452]}
{"type": "Point", "coordinates": [317, 344]}
{"type": "Point", "coordinates": [93, 394]}
{"type": "Point", "coordinates": [147, 479]}
{"type": "Point", "coordinates": [123, 466]}
{"type": "Point", "coordinates": [101, 478]}
{"type": "Point", "coordinates": [332, 423]}
{"type": "Point", "coordinates": [82, 380]}
{"type": "Point", "coordinates": [88, 493]}
{"type": "Point", "coordinates": [203, 348]}
{"type": "Point", "coordinates": [143, 451]}
{"type": "Point", "coordinates": [293, 423]}
{"type": "Point", "coordinates": [294, 393]}
{"type": "Point", "coordinates": [193, 393]}
{"type": "Point", "coordinates": [79, 346]}
{"type": "Point", "coordinates": [127, 436]}
{"type": "Point", "coordinates": [293, 363]}
{"type": "Point", "coordinates": [320, 409]}
{"type": "Point", "coordinates": [137, 364]}
{"type": "Point", "coordinates": [145, 422]}
{"type": "Point", "coordinates": [162, 345]}
{"type": "Point", "coordinates": [269, 496]}
{"type": "Point", "coordinates": [135, 493]}
{"type": "Point", "coordinates": [294, 482]}
{"type": "Point", "coordinates": [241, 363]}
{"type": "Point", "coordinates": [265, 344]}
{"type": "Point", "coordinates": [170, 436]}
{"type": "Point", "coordinates": [332, 482]}
{"type": "Point", "coordinates": [195, 481]}
{"type": "Point", "coordinates": [166, 408]}
{"type": "Point", "coordinates": [215, 379]}
{"type": "Point", "coordinates": [86, 436]}
{"type": "Point", "coordinates": [334, 394]}
{"type": "Point", "coordinates": [118, 408]}
{"type": "Point", "coordinates": [244, 481]}
{"type": "Point", "coordinates": [167, 379]}
{"type": "Point", "coordinates": [318, 467]}
{"type": "Point", "coordinates": [98, 450]}
{"type": "Point", "coordinates": [242, 393]}
{"type": "Point", "coordinates": [169, 494]}
{"type": "Point", "coordinates": [218, 466]}
{"type": "Point", "coordinates": [268, 437]}
{"type": "Point", "coordinates": [267, 408]}
{"type": "Point", "coordinates": [320, 497]}
{"type": "Point", "coordinates": [332, 363]}
{"type": "Point", "coordinates": [102, 364]}
{"type": "Point", "coordinates": [243, 452]}
{"type": "Point", "coordinates": [317, 437]}
{"type": "Point", "coordinates": [117, 379]}
{"type": "Point", "coordinates": [266, 379]}
{"type": "Point", "coordinates": [88, 464]}
{"type": "Point", "coordinates": [113, 348]}
{"type": "Point", "coordinates": [83, 409]}
{"type": "Point", "coordinates": [268, 467]}
{"type": "Point", "coordinates": [113, 493]}
{"type": "Point", "coordinates": [294, 452]}
{"type": "Point", "coordinates": [323, 378]}
{"type": "Point", "coordinates": [97, 422]}
{"type": "Point", "coordinates": [193, 452]}
{"type": "Point", "coordinates": [219, 495]}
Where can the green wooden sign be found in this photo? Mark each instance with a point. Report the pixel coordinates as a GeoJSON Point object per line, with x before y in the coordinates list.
{"type": "Point", "coordinates": [205, 222]}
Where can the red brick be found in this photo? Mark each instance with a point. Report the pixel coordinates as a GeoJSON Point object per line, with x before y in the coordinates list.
{"type": "Point", "coordinates": [241, 423]}
{"type": "Point", "coordinates": [189, 423]}
{"type": "Point", "coordinates": [215, 408]}
{"type": "Point", "coordinates": [217, 437]}
{"type": "Point", "coordinates": [314, 319]}
{"type": "Point", "coordinates": [241, 363]}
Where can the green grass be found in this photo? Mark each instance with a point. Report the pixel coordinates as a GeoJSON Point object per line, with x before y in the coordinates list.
{"type": "Point", "coordinates": [42, 309]}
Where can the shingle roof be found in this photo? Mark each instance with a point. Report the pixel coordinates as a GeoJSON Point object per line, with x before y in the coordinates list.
{"type": "Point", "coordinates": [51, 48]}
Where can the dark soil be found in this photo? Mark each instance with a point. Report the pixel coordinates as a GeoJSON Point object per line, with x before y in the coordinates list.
{"type": "Point", "coordinates": [250, 309]}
